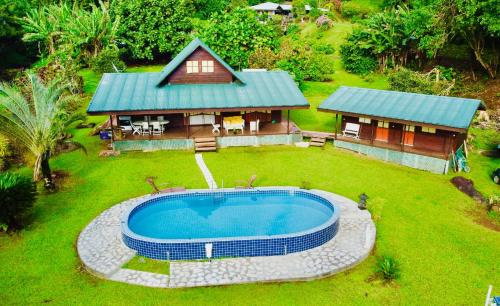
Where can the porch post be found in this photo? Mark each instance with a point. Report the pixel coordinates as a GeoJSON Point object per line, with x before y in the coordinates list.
{"type": "Point", "coordinates": [222, 124]}
{"type": "Point", "coordinates": [336, 124]}
{"type": "Point", "coordinates": [288, 122]}
{"type": "Point", "coordinates": [111, 126]}
{"type": "Point", "coordinates": [186, 122]}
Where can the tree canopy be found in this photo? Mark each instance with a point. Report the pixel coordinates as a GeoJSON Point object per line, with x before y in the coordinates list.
{"type": "Point", "coordinates": [237, 34]}
{"type": "Point", "coordinates": [151, 28]}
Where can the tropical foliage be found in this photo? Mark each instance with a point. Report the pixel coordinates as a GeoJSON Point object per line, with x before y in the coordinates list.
{"type": "Point", "coordinates": [237, 34]}
{"type": "Point", "coordinates": [432, 83]}
{"type": "Point", "coordinates": [388, 268]}
{"type": "Point", "coordinates": [70, 30]}
{"type": "Point", "coordinates": [36, 121]}
{"type": "Point", "coordinates": [418, 31]}
{"type": "Point", "coordinates": [17, 196]}
{"type": "Point", "coordinates": [152, 28]}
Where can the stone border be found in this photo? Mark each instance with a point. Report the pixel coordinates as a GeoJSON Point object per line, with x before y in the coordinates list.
{"type": "Point", "coordinates": [103, 253]}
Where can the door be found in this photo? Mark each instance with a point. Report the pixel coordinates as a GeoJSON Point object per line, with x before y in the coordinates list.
{"type": "Point", "coordinates": [382, 132]}
{"type": "Point", "coordinates": [409, 137]}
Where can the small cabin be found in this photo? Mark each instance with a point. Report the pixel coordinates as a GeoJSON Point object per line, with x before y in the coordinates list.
{"type": "Point", "coordinates": [412, 129]}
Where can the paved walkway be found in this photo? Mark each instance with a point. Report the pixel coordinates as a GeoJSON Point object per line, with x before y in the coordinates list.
{"type": "Point", "coordinates": [103, 253]}
{"type": "Point", "coordinates": [206, 172]}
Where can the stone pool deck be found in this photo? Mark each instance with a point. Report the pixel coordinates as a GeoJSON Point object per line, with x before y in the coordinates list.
{"type": "Point", "coordinates": [103, 253]}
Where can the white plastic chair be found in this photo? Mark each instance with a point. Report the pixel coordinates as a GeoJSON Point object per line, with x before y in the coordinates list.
{"type": "Point", "coordinates": [145, 129]}
{"type": "Point", "coordinates": [216, 128]}
{"type": "Point", "coordinates": [135, 129]}
{"type": "Point", "coordinates": [157, 131]}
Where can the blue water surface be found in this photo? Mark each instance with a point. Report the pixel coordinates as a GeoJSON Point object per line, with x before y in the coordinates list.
{"type": "Point", "coordinates": [233, 215]}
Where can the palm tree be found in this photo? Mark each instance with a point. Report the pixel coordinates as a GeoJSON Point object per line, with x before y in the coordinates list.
{"type": "Point", "coordinates": [37, 121]}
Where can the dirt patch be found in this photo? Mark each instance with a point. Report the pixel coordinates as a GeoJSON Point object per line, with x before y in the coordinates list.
{"type": "Point", "coordinates": [479, 216]}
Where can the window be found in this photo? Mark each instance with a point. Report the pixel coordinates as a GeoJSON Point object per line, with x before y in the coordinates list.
{"type": "Point", "coordinates": [207, 66]}
{"type": "Point", "coordinates": [383, 124]}
{"type": "Point", "coordinates": [192, 66]}
{"type": "Point", "coordinates": [365, 120]}
{"type": "Point", "coordinates": [426, 129]}
{"type": "Point", "coordinates": [410, 128]}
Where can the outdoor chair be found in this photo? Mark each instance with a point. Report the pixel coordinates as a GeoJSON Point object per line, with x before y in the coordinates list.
{"type": "Point", "coordinates": [145, 129]}
{"type": "Point", "coordinates": [351, 130]}
{"type": "Point", "coordinates": [157, 130]}
{"type": "Point", "coordinates": [246, 184]}
{"type": "Point", "coordinates": [216, 128]}
{"type": "Point", "coordinates": [135, 129]}
{"type": "Point", "coordinates": [156, 189]}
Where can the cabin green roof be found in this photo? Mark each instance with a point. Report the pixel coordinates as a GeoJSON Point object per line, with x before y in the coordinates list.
{"type": "Point", "coordinates": [120, 92]}
{"type": "Point", "coordinates": [187, 51]}
{"type": "Point", "coordinates": [419, 108]}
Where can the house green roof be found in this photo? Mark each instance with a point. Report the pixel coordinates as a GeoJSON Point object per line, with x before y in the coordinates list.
{"type": "Point", "coordinates": [435, 110]}
{"type": "Point", "coordinates": [119, 92]}
{"type": "Point", "coordinates": [187, 51]}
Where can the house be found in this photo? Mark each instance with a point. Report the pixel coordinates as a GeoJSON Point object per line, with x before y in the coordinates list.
{"type": "Point", "coordinates": [412, 129]}
{"type": "Point", "coordinates": [271, 8]}
{"type": "Point", "coordinates": [198, 95]}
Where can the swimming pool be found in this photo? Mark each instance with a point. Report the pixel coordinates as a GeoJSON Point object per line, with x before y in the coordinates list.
{"type": "Point", "coordinates": [230, 223]}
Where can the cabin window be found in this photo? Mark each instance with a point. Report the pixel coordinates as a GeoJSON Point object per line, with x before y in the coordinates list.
{"type": "Point", "coordinates": [192, 66]}
{"type": "Point", "coordinates": [430, 130]}
{"type": "Point", "coordinates": [207, 66]}
{"type": "Point", "coordinates": [383, 124]}
{"type": "Point", "coordinates": [365, 120]}
{"type": "Point", "coordinates": [410, 128]}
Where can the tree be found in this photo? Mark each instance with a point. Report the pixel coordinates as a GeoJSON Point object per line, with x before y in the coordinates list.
{"type": "Point", "coordinates": [237, 34]}
{"type": "Point", "coordinates": [70, 31]}
{"type": "Point", "coordinates": [37, 122]}
{"type": "Point", "coordinates": [152, 28]}
{"type": "Point", "coordinates": [478, 22]}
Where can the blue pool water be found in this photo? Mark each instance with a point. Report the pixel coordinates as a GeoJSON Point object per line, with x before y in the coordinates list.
{"type": "Point", "coordinates": [238, 214]}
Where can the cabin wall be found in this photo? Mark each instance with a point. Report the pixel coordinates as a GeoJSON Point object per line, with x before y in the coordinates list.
{"type": "Point", "coordinates": [220, 74]}
{"type": "Point", "coordinates": [442, 141]}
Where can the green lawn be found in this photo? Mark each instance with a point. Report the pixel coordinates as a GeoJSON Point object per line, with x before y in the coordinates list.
{"type": "Point", "coordinates": [421, 220]}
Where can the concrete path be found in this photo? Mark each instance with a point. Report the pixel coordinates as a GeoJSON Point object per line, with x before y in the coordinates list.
{"type": "Point", "coordinates": [103, 253]}
{"type": "Point", "coordinates": [206, 172]}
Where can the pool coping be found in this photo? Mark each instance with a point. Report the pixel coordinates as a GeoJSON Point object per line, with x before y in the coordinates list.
{"type": "Point", "coordinates": [127, 231]}
{"type": "Point", "coordinates": [102, 253]}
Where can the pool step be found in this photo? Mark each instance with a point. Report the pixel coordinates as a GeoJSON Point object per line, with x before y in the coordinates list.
{"type": "Point", "coordinates": [205, 144]}
{"type": "Point", "coordinates": [317, 142]}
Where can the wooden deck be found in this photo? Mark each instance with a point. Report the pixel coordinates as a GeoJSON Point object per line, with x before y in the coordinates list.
{"type": "Point", "coordinates": [202, 131]}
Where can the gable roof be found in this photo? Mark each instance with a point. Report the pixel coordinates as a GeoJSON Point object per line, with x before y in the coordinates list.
{"type": "Point", "coordinates": [187, 51]}
{"type": "Point", "coordinates": [436, 110]}
{"type": "Point", "coordinates": [122, 92]}
{"type": "Point", "coordinates": [266, 6]}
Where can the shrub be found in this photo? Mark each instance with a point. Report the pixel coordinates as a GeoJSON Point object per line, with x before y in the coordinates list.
{"type": "Point", "coordinates": [324, 48]}
{"type": "Point", "coordinates": [406, 80]}
{"type": "Point", "coordinates": [388, 268]}
{"type": "Point", "coordinates": [4, 151]}
{"type": "Point", "coordinates": [107, 60]}
{"type": "Point", "coordinates": [357, 60]}
{"type": "Point", "coordinates": [17, 196]}
{"type": "Point", "coordinates": [355, 11]}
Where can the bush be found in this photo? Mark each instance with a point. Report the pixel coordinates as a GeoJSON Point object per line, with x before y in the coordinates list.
{"type": "Point", "coordinates": [17, 196]}
{"type": "Point", "coordinates": [4, 152]}
{"type": "Point", "coordinates": [387, 268]}
{"type": "Point", "coordinates": [357, 60]}
{"type": "Point", "coordinates": [324, 48]}
{"type": "Point", "coordinates": [355, 11]}
{"type": "Point", "coordinates": [406, 80]}
{"type": "Point", "coordinates": [107, 60]}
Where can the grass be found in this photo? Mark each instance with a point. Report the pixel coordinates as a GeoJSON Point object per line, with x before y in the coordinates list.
{"type": "Point", "coordinates": [149, 265]}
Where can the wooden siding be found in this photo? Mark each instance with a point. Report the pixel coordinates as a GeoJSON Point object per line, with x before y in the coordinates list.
{"type": "Point", "coordinates": [441, 142]}
{"type": "Point", "coordinates": [220, 74]}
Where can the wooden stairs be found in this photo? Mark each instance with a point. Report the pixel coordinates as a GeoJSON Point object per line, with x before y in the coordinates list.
{"type": "Point", "coordinates": [317, 141]}
{"type": "Point", "coordinates": [205, 144]}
